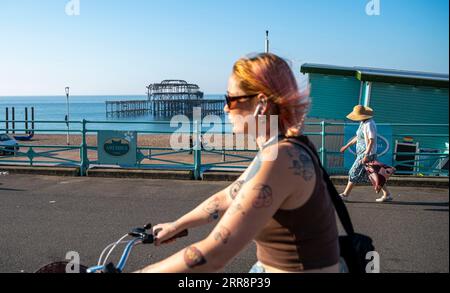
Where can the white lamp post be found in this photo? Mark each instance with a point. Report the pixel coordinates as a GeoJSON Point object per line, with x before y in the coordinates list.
{"type": "Point", "coordinates": [67, 116]}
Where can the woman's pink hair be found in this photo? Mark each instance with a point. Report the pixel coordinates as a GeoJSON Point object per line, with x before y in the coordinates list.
{"type": "Point", "coordinates": [271, 75]}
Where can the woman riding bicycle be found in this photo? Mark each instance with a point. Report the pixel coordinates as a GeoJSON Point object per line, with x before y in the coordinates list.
{"type": "Point", "coordinates": [280, 201]}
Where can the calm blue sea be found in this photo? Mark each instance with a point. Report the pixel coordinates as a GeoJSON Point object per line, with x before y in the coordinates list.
{"type": "Point", "coordinates": [54, 108]}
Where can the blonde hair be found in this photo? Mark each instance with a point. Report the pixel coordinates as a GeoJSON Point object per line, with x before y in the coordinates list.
{"type": "Point", "coordinates": [271, 75]}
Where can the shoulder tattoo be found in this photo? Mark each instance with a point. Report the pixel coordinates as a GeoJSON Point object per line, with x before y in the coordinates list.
{"type": "Point", "coordinates": [301, 163]}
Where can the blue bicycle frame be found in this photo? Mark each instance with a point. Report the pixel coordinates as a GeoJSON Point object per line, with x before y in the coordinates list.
{"type": "Point", "coordinates": [123, 259]}
{"type": "Point", "coordinates": [140, 236]}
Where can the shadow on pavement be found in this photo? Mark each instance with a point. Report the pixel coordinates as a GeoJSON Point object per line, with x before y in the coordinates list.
{"type": "Point", "coordinates": [436, 210]}
{"type": "Point", "coordinates": [406, 203]}
{"type": "Point", "coordinates": [11, 189]}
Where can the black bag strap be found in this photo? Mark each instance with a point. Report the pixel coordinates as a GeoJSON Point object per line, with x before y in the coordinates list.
{"type": "Point", "coordinates": [338, 203]}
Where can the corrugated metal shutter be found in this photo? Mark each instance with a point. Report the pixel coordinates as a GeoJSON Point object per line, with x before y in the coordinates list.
{"type": "Point", "coordinates": [410, 104]}
{"type": "Point", "coordinates": [333, 97]}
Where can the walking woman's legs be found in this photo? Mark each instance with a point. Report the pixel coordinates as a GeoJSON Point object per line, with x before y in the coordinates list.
{"type": "Point", "coordinates": [348, 189]}
{"type": "Point", "coordinates": [385, 191]}
{"type": "Point", "coordinates": [356, 175]}
{"type": "Point", "coordinates": [386, 195]}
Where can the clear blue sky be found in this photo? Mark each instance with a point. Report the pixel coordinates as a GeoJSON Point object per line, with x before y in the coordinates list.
{"type": "Point", "coordinates": [118, 46]}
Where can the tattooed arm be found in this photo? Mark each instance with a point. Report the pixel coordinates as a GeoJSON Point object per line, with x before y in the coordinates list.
{"type": "Point", "coordinates": [208, 211]}
{"type": "Point", "coordinates": [253, 205]}
{"type": "Point", "coordinates": [292, 173]}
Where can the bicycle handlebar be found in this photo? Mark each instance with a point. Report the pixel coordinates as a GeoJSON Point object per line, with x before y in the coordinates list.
{"type": "Point", "coordinates": [183, 233]}
{"type": "Point", "coordinates": [140, 236]}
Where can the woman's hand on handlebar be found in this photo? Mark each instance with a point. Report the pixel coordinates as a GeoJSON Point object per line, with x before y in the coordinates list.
{"type": "Point", "coordinates": [164, 233]}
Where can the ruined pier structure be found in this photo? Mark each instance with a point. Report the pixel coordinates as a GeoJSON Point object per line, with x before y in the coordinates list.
{"type": "Point", "coordinates": [168, 98]}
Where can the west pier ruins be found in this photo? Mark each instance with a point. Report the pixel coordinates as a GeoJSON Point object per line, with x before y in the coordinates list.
{"type": "Point", "coordinates": [168, 98]}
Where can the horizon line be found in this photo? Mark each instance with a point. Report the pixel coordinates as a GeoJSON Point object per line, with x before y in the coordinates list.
{"type": "Point", "coordinates": [84, 95]}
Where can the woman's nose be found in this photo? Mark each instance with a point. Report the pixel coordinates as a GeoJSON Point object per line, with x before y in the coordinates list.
{"type": "Point", "coordinates": [226, 109]}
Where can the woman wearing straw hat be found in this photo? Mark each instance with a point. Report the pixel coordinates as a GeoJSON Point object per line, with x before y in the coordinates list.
{"type": "Point", "coordinates": [366, 150]}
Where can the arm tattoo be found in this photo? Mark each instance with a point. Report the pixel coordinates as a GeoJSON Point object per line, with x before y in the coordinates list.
{"type": "Point", "coordinates": [235, 188]}
{"type": "Point", "coordinates": [302, 164]}
{"type": "Point", "coordinates": [222, 235]}
{"type": "Point", "coordinates": [193, 257]}
{"type": "Point", "coordinates": [212, 209]}
{"type": "Point", "coordinates": [264, 197]}
{"type": "Point", "coordinates": [253, 169]}
{"type": "Point", "coordinates": [235, 208]}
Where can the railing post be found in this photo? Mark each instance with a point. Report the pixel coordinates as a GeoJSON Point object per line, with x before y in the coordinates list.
{"type": "Point", "coordinates": [13, 116]}
{"type": "Point", "coordinates": [84, 161]}
{"type": "Point", "coordinates": [7, 119]}
{"type": "Point", "coordinates": [323, 150]}
{"type": "Point", "coordinates": [31, 155]}
{"type": "Point", "coordinates": [197, 151]}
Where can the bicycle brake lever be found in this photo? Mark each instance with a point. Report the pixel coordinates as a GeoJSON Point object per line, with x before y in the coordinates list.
{"type": "Point", "coordinates": [111, 269]}
{"type": "Point", "coordinates": [148, 239]}
{"type": "Point", "coordinates": [137, 232]}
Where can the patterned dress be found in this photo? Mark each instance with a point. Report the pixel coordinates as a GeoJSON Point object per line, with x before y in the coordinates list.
{"type": "Point", "coordinates": [358, 173]}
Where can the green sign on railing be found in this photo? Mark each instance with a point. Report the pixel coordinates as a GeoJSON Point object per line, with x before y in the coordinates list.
{"type": "Point", "coordinates": [117, 148]}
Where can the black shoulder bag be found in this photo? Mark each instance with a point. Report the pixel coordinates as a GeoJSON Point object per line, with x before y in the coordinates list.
{"type": "Point", "coordinates": [353, 247]}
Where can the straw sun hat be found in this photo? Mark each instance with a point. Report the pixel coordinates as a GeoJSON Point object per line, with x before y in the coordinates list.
{"type": "Point", "coordinates": [360, 113]}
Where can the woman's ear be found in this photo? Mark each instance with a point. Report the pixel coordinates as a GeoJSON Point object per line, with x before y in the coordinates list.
{"type": "Point", "coordinates": [263, 104]}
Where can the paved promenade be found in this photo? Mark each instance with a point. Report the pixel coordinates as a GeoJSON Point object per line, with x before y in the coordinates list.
{"type": "Point", "coordinates": [43, 217]}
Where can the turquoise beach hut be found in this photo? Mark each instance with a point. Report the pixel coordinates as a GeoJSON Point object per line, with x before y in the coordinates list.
{"type": "Point", "coordinates": [398, 97]}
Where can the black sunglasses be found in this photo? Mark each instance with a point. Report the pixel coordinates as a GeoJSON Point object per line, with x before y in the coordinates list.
{"type": "Point", "coordinates": [229, 100]}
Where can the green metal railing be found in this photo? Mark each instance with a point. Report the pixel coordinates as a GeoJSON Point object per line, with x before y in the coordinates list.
{"type": "Point", "coordinates": [50, 154]}
{"type": "Point", "coordinates": [329, 143]}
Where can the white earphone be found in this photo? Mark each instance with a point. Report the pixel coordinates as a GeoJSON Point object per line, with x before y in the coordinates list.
{"type": "Point", "coordinates": [258, 110]}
